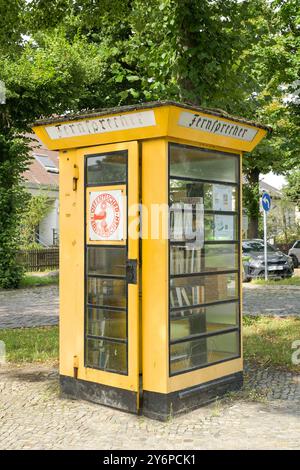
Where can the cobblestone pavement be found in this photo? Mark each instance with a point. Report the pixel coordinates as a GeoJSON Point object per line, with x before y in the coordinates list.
{"type": "Point", "coordinates": [277, 300]}
{"type": "Point", "coordinates": [35, 306]}
{"type": "Point", "coordinates": [38, 306]}
{"type": "Point", "coordinates": [33, 416]}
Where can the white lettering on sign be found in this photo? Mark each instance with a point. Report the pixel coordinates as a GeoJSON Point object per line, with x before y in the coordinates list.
{"type": "Point", "coordinates": [106, 218]}
{"type": "Point", "coordinates": [102, 125]}
{"type": "Point", "coordinates": [216, 126]}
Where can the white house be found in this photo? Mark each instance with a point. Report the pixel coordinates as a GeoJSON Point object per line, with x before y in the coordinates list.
{"type": "Point", "coordinates": [281, 216]}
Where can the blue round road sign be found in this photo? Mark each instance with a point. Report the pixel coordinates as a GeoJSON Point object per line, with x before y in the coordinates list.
{"type": "Point", "coordinates": [266, 202]}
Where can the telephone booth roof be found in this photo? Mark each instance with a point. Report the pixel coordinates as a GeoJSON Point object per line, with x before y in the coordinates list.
{"type": "Point", "coordinates": [151, 120]}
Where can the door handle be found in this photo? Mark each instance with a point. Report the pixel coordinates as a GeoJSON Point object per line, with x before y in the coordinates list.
{"type": "Point", "coordinates": [131, 271]}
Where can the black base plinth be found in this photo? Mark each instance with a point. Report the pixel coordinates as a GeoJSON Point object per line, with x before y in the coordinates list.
{"type": "Point", "coordinates": [155, 405]}
{"type": "Point", "coordinates": [163, 407]}
{"type": "Point", "coordinates": [98, 393]}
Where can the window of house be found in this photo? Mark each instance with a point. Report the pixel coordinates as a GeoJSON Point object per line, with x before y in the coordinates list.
{"type": "Point", "coordinates": [47, 163]}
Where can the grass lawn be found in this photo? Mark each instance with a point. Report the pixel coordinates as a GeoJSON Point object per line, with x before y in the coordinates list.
{"type": "Point", "coordinates": [291, 281]}
{"type": "Point", "coordinates": [31, 344]}
{"type": "Point", "coordinates": [32, 280]}
{"type": "Point", "coordinates": [268, 341]}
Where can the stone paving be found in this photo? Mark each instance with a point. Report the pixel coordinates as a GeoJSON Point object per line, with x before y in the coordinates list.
{"type": "Point", "coordinates": [271, 300]}
{"type": "Point", "coordinates": [38, 306]}
{"type": "Point", "coordinates": [35, 306]}
{"type": "Point", "coordinates": [266, 415]}
{"type": "Point", "coordinates": [33, 416]}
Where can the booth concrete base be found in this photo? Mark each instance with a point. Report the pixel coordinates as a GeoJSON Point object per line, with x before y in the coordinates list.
{"type": "Point", "coordinates": [157, 406]}
{"type": "Point", "coordinates": [98, 393]}
{"type": "Point", "coordinates": [162, 406]}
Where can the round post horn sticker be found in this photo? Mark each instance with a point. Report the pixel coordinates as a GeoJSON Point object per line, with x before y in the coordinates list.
{"type": "Point", "coordinates": [106, 218]}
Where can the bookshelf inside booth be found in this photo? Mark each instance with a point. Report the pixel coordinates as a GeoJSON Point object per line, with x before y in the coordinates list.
{"type": "Point", "coordinates": [204, 311]}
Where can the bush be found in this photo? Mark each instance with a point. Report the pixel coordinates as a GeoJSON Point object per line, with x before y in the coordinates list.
{"type": "Point", "coordinates": [13, 201]}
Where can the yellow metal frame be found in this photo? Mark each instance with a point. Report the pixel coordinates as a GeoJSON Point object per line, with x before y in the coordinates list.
{"type": "Point", "coordinates": [72, 247]}
{"type": "Point", "coordinates": [155, 260]}
{"type": "Point", "coordinates": [156, 288]}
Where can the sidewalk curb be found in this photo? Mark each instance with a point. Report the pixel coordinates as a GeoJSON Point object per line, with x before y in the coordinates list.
{"type": "Point", "coordinates": [272, 287]}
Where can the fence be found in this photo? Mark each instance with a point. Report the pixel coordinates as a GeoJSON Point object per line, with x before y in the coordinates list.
{"type": "Point", "coordinates": [40, 259]}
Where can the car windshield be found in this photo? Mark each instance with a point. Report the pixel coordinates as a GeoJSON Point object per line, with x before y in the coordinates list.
{"type": "Point", "coordinates": [257, 246]}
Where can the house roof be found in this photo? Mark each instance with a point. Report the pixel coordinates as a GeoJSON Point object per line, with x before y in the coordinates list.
{"type": "Point", "coordinates": [37, 174]}
{"type": "Point", "coordinates": [267, 187]}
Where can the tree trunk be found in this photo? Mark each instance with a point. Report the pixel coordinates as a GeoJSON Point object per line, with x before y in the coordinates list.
{"type": "Point", "coordinates": [251, 200]}
{"type": "Point", "coordinates": [253, 227]}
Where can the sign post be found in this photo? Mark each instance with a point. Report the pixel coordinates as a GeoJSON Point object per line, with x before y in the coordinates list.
{"type": "Point", "coordinates": [266, 204]}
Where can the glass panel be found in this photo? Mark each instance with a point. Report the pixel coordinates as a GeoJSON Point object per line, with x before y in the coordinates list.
{"type": "Point", "coordinates": [188, 322]}
{"type": "Point", "coordinates": [186, 291]}
{"type": "Point", "coordinates": [109, 323]}
{"type": "Point", "coordinates": [187, 259]}
{"type": "Point", "coordinates": [203, 164]}
{"type": "Point", "coordinates": [204, 351]}
{"type": "Point", "coordinates": [106, 260]}
{"type": "Point", "coordinates": [194, 226]}
{"type": "Point", "coordinates": [220, 227]}
{"type": "Point", "coordinates": [107, 292]}
{"type": "Point", "coordinates": [107, 168]}
{"type": "Point", "coordinates": [220, 257]}
{"type": "Point", "coordinates": [187, 224]}
{"type": "Point", "coordinates": [217, 197]}
{"type": "Point", "coordinates": [107, 355]}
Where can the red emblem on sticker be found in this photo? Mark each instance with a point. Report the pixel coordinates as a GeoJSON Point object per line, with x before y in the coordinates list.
{"type": "Point", "coordinates": [105, 215]}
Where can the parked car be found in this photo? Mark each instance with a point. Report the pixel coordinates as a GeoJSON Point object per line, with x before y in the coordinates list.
{"type": "Point", "coordinates": [279, 264]}
{"type": "Point", "coordinates": [294, 253]}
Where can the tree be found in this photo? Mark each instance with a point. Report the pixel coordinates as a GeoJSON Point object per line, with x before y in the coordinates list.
{"type": "Point", "coordinates": [161, 49]}
{"type": "Point", "coordinates": [42, 76]}
{"type": "Point", "coordinates": [13, 158]}
{"type": "Point", "coordinates": [68, 55]}
{"type": "Point", "coordinates": [237, 55]}
{"type": "Point", "coordinates": [292, 189]}
{"type": "Point", "coordinates": [11, 24]}
{"type": "Point", "coordinates": [281, 222]}
{"type": "Point", "coordinates": [275, 66]}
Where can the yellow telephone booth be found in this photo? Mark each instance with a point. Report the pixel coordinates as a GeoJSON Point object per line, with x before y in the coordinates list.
{"type": "Point", "coordinates": [150, 254]}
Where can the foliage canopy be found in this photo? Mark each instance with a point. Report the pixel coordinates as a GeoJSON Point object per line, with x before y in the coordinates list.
{"type": "Point", "coordinates": [68, 55]}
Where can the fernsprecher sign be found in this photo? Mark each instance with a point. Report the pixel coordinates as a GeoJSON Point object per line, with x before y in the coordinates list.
{"type": "Point", "coordinates": [102, 125]}
{"type": "Point", "coordinates": [216, 126]}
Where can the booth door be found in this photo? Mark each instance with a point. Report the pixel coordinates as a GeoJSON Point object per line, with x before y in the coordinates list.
{"type": "Point", "coordinates": [111, 266]}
